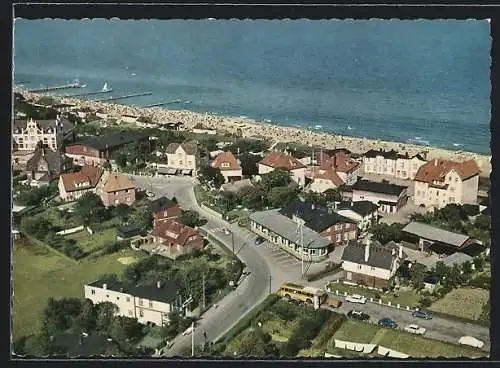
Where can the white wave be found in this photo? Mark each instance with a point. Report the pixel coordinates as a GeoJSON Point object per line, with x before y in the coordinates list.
{"type": "Point", "coordinates": [267, 121]}
{"type": "Point", "coordinates": [318, 126]}
{"type": "Point", "coordinates": [457, 144]}
{"type": "Point", "coordinates": [350, 127]}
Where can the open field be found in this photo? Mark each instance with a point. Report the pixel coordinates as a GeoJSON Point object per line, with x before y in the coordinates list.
{"type": "Point", "coordinates": [355, 332]}
{"type": "Point", "coordinates": [38, 273]}
{"type": "Point", "coordinates": [406, 298]}
{"type": "Point", "coordinates": [96, 241]}
{"type": "Point", "coordinates": [463, 302]}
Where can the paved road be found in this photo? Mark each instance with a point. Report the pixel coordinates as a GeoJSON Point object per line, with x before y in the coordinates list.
{"type": "Point", "coordinates": [437, 328]}
{"type": "Point", "coordinates": [265, 260]}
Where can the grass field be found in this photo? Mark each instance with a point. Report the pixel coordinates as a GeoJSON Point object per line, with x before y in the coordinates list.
{"type": "Point", "coordinates": [420, 347]}
{"type": "Point", "coordinates": [91, 243]}
{"type": "Point", "coordinates": [356, 332]}
{"type": "Point", "coordinates": [405, 298]}
{"type": "Point", "coordinates": [463, 302]}
{"type": "Point", "coordinates": [38, 273]}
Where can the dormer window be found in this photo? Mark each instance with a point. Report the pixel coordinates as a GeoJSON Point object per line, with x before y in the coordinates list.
{"type": "Point", "coordinates": [225, 164]}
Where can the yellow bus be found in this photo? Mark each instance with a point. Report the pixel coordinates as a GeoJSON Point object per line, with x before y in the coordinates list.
{"type": "Point", "coordinates": [306, 294]}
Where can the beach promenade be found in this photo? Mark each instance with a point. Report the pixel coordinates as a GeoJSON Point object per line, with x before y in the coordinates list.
{"type": "Point", "coordinates": [261, 130]}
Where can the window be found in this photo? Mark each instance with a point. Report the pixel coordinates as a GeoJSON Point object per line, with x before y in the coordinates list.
{"type": "Point", "coordinates": [128, 299]}
{"type": "Point", "coordinates": [452, 199]}
{"type": "Point", "coordinates": [225, 164]}
{"type": "Point", "coordinates": [126, 190]}
{"type": "Point", "coordinates": [92, 292]}
{"type": "Point", "coordinates": [150, 304]}
{"type": "Point", "coordinates": [190, 163]}
{"type": "Point", "coordinates": [107, 295]}
{"type": "Point", "coordinates": [141, 313]}
{"type": "Point", "coordinates": [141, 302]}
{"type": "Point", "coordinates": [130, 312]}
{"type": "Point", "coordinates": [359, 267]}
{"type": "Point", "coordinates": [117, 298]}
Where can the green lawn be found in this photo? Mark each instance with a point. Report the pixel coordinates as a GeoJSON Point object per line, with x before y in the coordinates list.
{"type": "Point", "coordinates": [39, 273]}
{"type": "Point", "coordinates": [354, 331]}
{"type": "Point", "coordinates": [96, 241]}
{"type": "Point", "coordinates": [420, 347]}
{"type": "Point", "coordinates": [404, 298]}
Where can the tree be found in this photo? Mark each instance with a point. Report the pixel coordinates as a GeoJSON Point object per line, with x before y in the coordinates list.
{"type": "Point", "coordinates": [189, 218]}
{"type": "Point", "coordinates": [37, 226]}
{"type": "Point", "coordinates": [316, 198]}
{"type": "Point", "coordinates": [332, 195]}
{"type": "Point", "coordinates": [105, 315]}
{"type": "Point", "coordinates": [467, 268]}
{"type": "Point", "coordinates": [121, 159]}
{"type": "Point", "coordinates": [440, 270]}
{"type": "Point", "coordinates": [251, 197]}
{"type": "Point", "coordinates": [483, 222]}
{"type": "Point", "coordinates": [479, 263]}
{"type": "Point", "coordinates": [122, 211]}
{"type": "Point", "coordinates": [142, 218]}
{"type": "Point", "coordinates": [86, 320]}
{"type": "Point", "coordinates": [249, 164]}
{"type": "Point", "coordinates": [90, 208]}
{"type": "Point", "coordinates": [58, 315]}
{"type": "Point", "coordinates": [417, 275]}
{"type": "Point", "coordinates": [282, 196]}
{"type": "Point", "coordinates": [384, 233]}
{"type": "Point", "coordinates": [451, 211]}
{"type": "Point", "coordinates": [227, 200]}
{"type": "Point", "coordinates": [125, 329]}
{"type": "Point", "coordinates": [275, 178]}
{"type": "Point", "coordinates": [209, 175]}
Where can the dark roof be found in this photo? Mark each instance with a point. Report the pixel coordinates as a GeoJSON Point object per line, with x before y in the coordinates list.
{"type": "Point", "coordinates": [128, 230]}
{"type": "Point", "coordinates": [361, 207]}
{"type": "Point", "coordinates": [390, 203]}
{"type": "Point", "coordinates": [471, 209]}
{"type": "Point", "coordinates": [112, 140]}
{"type": "Point", "coordinates": [486, 211]}
{"type": "Point", "coordinates": [332, 152]}
{"type": "Point", "coordinates": [64, 124]}
{"type": "Point", "coordinates": [55, 161]}
{"type": "Point", "coordinates": [166, 293]}
{"type": "Point", "coordinates": [77, 345]}
{"type": "Point", "coordinates": [379, 256]}
{"type": "Point", "coordinates": [388, 155]}
{"type": "Point", "coordinates": [316, 217]}
{"type": "Point", "coordinates": [191, 148]}
{"type": "Point", "coordinates": [161, 204]}
{"type": "Point", "coordinates": [378, 187]}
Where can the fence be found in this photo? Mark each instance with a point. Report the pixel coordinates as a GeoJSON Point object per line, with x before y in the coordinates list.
{"type": "Point", "coordinates": [211, 211]}
{"type": "Point", "coordinates": [355, 346]}
{"type": "Point", "coordinates": [71, 231]}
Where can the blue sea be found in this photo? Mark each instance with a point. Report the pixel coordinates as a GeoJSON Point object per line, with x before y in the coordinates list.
{"type": "Point", "coordinates": [420, 81]}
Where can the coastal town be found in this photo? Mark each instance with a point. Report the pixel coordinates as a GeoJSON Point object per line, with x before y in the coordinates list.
{"type": "Point", "coordinates": [149, 232]}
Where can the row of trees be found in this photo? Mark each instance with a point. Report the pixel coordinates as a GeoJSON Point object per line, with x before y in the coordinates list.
{"type": "Point", "coordinates": [34, 196]}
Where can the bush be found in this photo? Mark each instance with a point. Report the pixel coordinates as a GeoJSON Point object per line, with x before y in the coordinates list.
{"type": "Point", "coordinates": [331, 268]}
{"type": "Point", "coordinates": [482, 281]}
{"type": "Point", "coordinates": [332, 325]}
{"type": "Point", "coordinates": [425, 302]}
{"type": "Point", "coordinates": [115, 247]}
{"type": "Point", "coordinates": [445, 290]}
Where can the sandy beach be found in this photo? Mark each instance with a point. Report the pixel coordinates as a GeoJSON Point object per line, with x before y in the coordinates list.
{"type": "Point", "coordinates": [260, 130]}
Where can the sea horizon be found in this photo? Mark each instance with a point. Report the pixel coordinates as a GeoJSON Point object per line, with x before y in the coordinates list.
{"type": "Point", "coordinates": [434, 96]}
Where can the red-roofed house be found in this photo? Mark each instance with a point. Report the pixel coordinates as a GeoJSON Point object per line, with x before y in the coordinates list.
{"type": "Point", "coordinates": [277, 160]}
{"type": "Point", "coordinates": [440, 182]}
{"type": "Point", "coordinates": [322, 180]}
{"type": "Point", "coordinates": [176, 239]}
{"type": "Point", "coordinates": [228, 165]}
{"type": "Point", "coordinates": [334, 172]}
{"type": "Point", "coordinates": [74, 185]}
{"type": "Point", "coordinates": [116, 189]}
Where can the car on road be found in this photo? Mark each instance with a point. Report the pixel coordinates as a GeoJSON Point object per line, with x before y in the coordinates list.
{"type": "Point", "coordinates": [471, 341]}
{"type": "Point", "coordinates": [188, 331]}
{"type": "Point", "coordinates": [226, 231]}
{"type": "Point", "coordinates": [150, 194]}
{"type": "Point", "coordinates": [259, 240]}
{"type": "Point", "coordinates": [355, 298]}
{"type": "Point", "coordinates": [360, 316]}
{"type": "Point", "coordinates": [387, 323]}
{"type": "Point", "coordinates": [422, 314]}
{"type": "Point", "coordinates": [415, 329]}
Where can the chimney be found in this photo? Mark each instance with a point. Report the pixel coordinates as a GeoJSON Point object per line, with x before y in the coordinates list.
{"type": "Point", "coordinates": [335, 204]}
{"type": "Point", "coordinates": [312, 206]}
{"type": "Point", "coordinates": [367, 252]}
{"type": "Point", "coordinates": [334, 161]}
{"type": "Point", "coordinates": [104, 286]}
{"type": "Point", "coordinates": [158, 284]}
{"type": "Point", "coordinates": [435, 162]}
{"type": "Point", "coordinates": [400, 255]}
{"type": "Point", "coordinates": [352, 203]}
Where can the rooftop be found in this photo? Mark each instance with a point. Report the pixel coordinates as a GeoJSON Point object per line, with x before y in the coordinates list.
{"type": "Point", "coordinates": [436, 170]}
{"type": "Point", "coordinates": [281, 161]}
{"type": "Point", "coordinates": [189, 147]}
{"type": "Point", "coordinates": [86, 178]}
{"type": "Point", "coordinates": [287, 228]}
{"type": "Point", "coordinates": [161, 204]}
{"type": "Point", "coordinates": [379, 256]}
{"type": "Point", "coordinates": [435, 234]}
{"type": "Point", "coordinates": [379, 187]}
{"type": "Point", "coordinates": [226, 161]}
{"type": "Point", "coordinates": [360, 207]}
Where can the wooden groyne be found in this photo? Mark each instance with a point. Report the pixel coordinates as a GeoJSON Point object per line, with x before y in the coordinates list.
{"type": "Point", "coordinates": [55, 88]}
{"type": "Point", "coordinates": [161, 104]}
{"type": "Point", "coordinates": [89, 93]}
{"type": "Point", "coordinates": [123, 97]}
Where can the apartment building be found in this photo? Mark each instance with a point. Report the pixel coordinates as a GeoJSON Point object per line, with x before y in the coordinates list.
{"type": "Point", "coordinates": [391, 163]}
{"type": "Point", "coordinates": [440, 182]}
{"type": "Point", "coordinates": [27, 133]}
{"type": "Point", "coordinates": [149, 304]}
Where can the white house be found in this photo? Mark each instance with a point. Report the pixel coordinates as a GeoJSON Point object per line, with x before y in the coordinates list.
{"type": "Point", "coordinates": [440, 182]}
{"type": "Point", "coordinates": [365, 213]}
{"type": "Point", "coordinates": [277, 160]}
{"type": "Point", "coordinates": [389, 197]}
{"type": "Point", "coordinates": [229, 166]}
{"type": "Point", "coordinates": [371, 264]}
{"type": "Point", "coordinates": [183, 157]}
{"type": "Point", "coordinates": [27, 133]}
{"type": "Point", "coordinates": [391, 163]}
{"type": "Point", "coordinates": [149, 304]}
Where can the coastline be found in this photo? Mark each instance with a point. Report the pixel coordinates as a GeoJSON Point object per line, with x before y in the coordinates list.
{"type": "Point", "coordinates": [262, 130]}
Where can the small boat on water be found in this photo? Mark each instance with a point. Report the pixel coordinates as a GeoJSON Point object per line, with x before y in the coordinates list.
{"type": "Point", "coordinates": [105, 88]}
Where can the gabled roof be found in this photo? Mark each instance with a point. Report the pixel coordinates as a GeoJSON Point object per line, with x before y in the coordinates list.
{"type": "Point", "coordinates": [379, 256]}
{"type": "Point", "coordinates": [161, 204]}
{"type": "Point", "coordinates": [340, 162]}
{"type": "Point", "coordinates": [436, 234]}
{"type": "Point", "coordinates": [115, 182]}
{"type": "Point", "coordinates": [111, 140]}
{"type": "Point", "coordinates": [362, 208]}
{"type": "Point", "coordinates": [458, 258]}
{"type": "Point", "coordinates": [226, 157]}
{"type": "Point", "coordinates": [281, 161]}
{"type": "Point", "coordinates": [437, 170]}
{"type": "Point", "coordinates": [167, 292]}
{"type": "Point", "coordinates": [182, 231]}
{"type": "Point", "coordinates": [378, 187]}
{"type": "Point", "coordinates": [87, 174]}
{"type": "Point", "coordinates": [328, 174]}
{"type": "Point", "coordinates": [202, 127]}
{"type": "Point", "coordinates": [55, 160]}
{"type": "Point", "coordinates": [316, 218]}
{"type": "Point", "coordinates": [64, 124]}
{"type": "Point", "coordinates": [189, 147]}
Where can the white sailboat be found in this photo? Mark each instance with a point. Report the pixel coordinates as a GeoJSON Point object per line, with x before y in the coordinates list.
{"type": "Point", "coordinates": [105, 88]}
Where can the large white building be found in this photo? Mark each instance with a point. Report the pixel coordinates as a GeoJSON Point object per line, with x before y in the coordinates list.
{"type": "Point", "coordinates": [441, 182]}
{"type": "Point", "coordinates": [181, 157]}
{"type": "Point", "coordinates": [27, 133]}
{"type": "Point", "coordinates": [149, 304]}
{"type": "Point", "coordinates": [391, 163]}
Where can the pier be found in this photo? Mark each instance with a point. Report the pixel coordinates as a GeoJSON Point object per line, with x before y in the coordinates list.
{"type": "Point", "coordinates": [90, 93]}
{"type": "Point", "coordinates": [55, 88]}
{"type": "Point", "coordinates": [124, 97]}
{"type": "Point", "coordinates": [161, 104]}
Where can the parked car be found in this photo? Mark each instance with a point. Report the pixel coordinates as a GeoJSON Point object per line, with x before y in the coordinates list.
{"type": "Point", "coordinates": [422, 314]}
{"type": "Point", "coordinates": [355, 298]}
{"type": "Point", "coordinates": [188, 331]}
{"type": "Point", "coordinates": [471, 341]}
{"type": "Point", "coordinates": [360, 316]}
{"type": "Point", "coordinates": [259, 240]}
{"type": "Point", "coordinates": [387, 323]}
{"type": "Point", "coordinates": [414, 329]}
{"type": "Point", "coordinates": [150, 194]}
